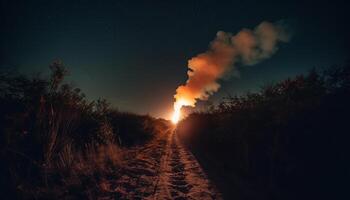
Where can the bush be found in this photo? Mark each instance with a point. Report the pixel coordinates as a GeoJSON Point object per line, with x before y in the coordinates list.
{"type": "Point", "coordinates": [55, 143]}
{"type": "Point", "coordinates": [288, 141]}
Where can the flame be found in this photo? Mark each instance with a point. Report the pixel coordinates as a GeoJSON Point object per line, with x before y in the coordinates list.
{"type": "Point", "coordinates": [176, 116]}
{"type": "Point", "coordinates": [177, 110]}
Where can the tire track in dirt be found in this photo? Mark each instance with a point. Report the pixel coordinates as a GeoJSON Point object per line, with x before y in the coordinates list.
{"type": "Point", "coordinates": [161, 170]}
{"type": "Point", "coordinates": [181, 176]}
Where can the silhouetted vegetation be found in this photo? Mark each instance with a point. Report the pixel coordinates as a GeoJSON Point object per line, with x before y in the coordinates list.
{"type": "Point", "coordinates": [288, 141]}
{"type": "Point", "coordinates": [55, 143]}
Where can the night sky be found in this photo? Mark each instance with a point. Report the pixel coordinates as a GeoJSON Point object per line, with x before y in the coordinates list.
{"type": "Point", "coordinates": [135, 53]}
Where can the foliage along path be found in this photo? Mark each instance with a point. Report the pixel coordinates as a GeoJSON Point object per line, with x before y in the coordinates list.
{"type": "Point", "coordinates": [162, 169]}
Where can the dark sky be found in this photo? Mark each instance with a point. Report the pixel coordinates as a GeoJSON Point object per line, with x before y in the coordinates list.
{"type": "Point", "coordinates": [134, 53]}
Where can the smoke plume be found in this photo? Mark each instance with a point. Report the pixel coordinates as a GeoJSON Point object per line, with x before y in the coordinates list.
{"type": "Point", "coordinates": [247, 47]}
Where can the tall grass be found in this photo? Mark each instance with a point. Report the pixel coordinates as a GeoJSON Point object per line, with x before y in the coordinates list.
{"type": "Point", "coordinates": [56, 144]}
{"type": "Point", "coordinates": [288, 141]}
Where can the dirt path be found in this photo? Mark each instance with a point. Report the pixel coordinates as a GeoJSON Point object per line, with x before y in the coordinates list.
{"type": "Point", "coordinates": [161, 170]}
{"type": "Point", "coordinates": [181, 176]}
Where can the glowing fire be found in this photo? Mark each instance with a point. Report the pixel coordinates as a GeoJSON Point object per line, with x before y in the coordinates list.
{"type": "Point", "coordinates": [177, 110]}
{"type": "Point", "coordinates": [176, 116]}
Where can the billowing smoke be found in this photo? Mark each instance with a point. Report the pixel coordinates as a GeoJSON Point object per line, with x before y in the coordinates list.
{"type": "Point", "coordinates": [247, 47]}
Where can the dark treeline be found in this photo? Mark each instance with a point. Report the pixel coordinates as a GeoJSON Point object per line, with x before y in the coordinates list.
{"type": "Point", "coordinates": [288, 141]}
{"type": "Point", "coordinates": [55, 143]}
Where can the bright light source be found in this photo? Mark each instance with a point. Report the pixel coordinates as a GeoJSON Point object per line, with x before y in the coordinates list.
{"type": "Point", "coordinates": [176, 116]}
{"type": "Point", "coordinates": [177, 109]}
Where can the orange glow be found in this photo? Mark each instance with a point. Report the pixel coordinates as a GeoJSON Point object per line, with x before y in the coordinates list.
{"type": "Point", "coordinates": [177, 110]}
{"type": "Point", "coordinates": [247, 47]}
{"type": "Point", "coordinates": [176, 116]}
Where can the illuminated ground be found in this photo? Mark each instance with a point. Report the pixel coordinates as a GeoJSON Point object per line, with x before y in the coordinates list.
{"type": "Point", "coordinates": [163, 169]}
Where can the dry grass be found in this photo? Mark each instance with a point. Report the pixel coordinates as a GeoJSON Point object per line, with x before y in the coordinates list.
{"type": "Point", "coordinates": [55, 144]}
